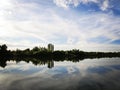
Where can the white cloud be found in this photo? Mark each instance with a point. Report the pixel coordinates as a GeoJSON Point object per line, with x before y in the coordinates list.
{"type": "Point", "coordinates": [33, 25]}
{"type": "Point", "coordinates": [6, 8]}
{"type": "Point", "coordinates": [61, 3]}
{"type": "Point", "coordinates": [104, 5]}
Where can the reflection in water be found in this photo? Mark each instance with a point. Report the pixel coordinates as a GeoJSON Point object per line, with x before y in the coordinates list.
{"type": "Point", "coordinates": [50, 64]}
{"type": "Point", "coordinates": [3, 63]}
{"type": "Point", "coordinates": [99, 70]}
{"type": "Point", "coordinates": [33, 74]}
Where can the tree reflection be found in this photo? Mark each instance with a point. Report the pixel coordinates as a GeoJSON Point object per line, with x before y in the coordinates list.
{"type": "Point", "coordinates": [38, 61]}
{"type": "Point", "coordinates": [35, 61]}
{"type": "Point", "coordinates": [3, 62]}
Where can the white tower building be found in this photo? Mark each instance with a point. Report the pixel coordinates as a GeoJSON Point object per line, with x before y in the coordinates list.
{"type": "Point", "coordinates": [51, 47]}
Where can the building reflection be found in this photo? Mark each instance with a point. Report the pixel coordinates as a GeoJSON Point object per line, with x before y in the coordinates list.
{"type": "Point", "coordinates": [50, 64]}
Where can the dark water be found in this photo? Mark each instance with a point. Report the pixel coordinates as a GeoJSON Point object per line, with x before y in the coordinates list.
{"type": "Point", "coordinates": [88, 74]}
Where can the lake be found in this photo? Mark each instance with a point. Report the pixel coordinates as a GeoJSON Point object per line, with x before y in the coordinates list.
{"type": "Point", "coordinates": [87, 74]}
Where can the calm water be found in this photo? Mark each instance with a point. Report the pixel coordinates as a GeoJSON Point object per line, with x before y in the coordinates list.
{"type": "Point", "coordinates": [88, 74]}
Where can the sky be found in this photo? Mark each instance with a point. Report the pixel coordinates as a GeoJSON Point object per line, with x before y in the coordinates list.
{"type": "Point", "coordinates": [89, 25]}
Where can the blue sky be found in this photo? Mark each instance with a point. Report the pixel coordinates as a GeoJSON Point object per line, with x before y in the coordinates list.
{"type": "Point", "coordinates": [90, 25]}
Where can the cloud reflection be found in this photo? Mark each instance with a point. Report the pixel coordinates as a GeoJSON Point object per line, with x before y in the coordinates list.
{"type": "Point", "coordinates": [71, 76]}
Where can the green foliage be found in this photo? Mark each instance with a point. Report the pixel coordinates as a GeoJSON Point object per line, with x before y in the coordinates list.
{"type": "Point", "coordinates": [3, 47]}
{"type": "Point", "coordinates": [4, 52]}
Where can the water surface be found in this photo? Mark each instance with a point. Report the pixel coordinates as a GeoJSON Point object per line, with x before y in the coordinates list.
{"type": "Point", "coordinates": [88, 74]}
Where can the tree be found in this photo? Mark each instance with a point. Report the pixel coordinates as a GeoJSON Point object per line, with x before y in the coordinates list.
{"type": "Point", "coordinates": [35, 49]}
{"type": "Point", "coordinates": [3, 47]}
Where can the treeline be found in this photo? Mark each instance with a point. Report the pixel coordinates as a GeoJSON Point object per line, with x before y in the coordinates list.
{"type": "Point", "coordinates": [4, 52]}
{"type": "Point", "coordinates": [44, 53]}
{"type": "Point", "coordinates": [41, 55]}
